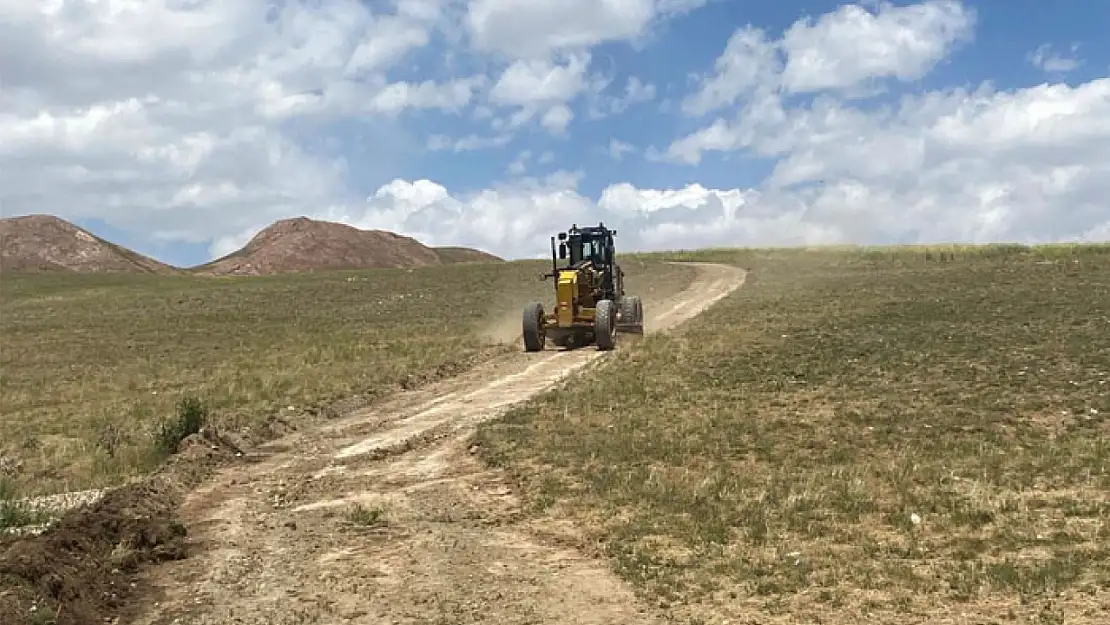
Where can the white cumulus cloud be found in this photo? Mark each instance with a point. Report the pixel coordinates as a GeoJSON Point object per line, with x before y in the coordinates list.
{"type": "Point", "coordinates": [511, 218]}
{"type": "Point", "coordinates": [852, 44]}
{"type": "Point", "coordinates": [841, 50]}
{"type": "Point", "coordinates": [537, 28]}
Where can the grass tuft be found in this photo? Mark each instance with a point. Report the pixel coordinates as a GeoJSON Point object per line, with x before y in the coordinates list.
{"type": "Point", "coordinates": [15, 511]}
{"type": "Point", "coordinates": [362, 516]}
{"type": "Point", "coordinates": [190, 417]}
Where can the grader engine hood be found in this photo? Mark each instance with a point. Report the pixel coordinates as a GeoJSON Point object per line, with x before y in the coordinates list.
{"type": "Point", "coordinates": [566, 289]}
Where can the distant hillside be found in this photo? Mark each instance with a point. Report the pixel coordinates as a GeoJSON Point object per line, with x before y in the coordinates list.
{"type": "Point", "coordinates": [451, 255]}
{"type": "Point", "coordinates": [302, 244]}
{"type": "Point", "coordinates": [46, 243]}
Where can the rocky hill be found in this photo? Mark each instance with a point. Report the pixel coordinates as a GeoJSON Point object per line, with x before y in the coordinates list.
{"type": "Point", "coordinates": [46, 243]}
{"type": "Point", "coordinates": [302, 244]}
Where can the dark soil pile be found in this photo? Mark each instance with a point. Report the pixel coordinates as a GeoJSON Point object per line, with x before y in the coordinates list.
{"type": "Point", "coordinates": [84, 568]}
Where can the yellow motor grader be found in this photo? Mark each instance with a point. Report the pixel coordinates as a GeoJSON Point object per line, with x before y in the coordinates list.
{"type": "Point", "coordinates": [590, 303]}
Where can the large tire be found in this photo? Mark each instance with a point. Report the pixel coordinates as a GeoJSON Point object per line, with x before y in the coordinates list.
{"type": "Point", "coordinates": [628, 311]}
{"type": "Point", "coordinates": [605, 325]}
{"type": "Point", "coordinates": [632, 315]}
{"type": "Point", "coordinates": [637, 307]}
{"type": "Point", "coordinates": [534, 335]}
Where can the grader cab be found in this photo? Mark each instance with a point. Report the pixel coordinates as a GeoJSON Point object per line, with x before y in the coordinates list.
{"type": "Point", "coordinates": [590, 302]}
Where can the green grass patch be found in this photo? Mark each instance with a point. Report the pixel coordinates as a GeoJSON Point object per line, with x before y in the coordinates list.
{"type": "Point", "coordinates": [15, 511]}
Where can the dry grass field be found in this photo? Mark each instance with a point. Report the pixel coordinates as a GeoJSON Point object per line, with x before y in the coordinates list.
{"type": "Point", "coordinates": [857, 435]}
{"type": "Point", "coordinates": [100, 374]}
{"type": "Point", "coordinates": [879, 435]}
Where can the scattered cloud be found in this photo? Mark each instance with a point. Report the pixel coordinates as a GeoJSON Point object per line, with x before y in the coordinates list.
{"type": "Point", "coordinates": [539, 28]}
{"type": "Point", "coordinates": [618, 148]}
{"type": "Point", "coordinates": [469, 143]}
{"type": "Point", "coordinates": [541, 87]}
{"type": "Point", "coordinates": [520, 163]}
{"type": "Point", "coordinates": [841, 50]}
{"type": "Point", "coordinates": [852, 44]}
{"type": "Point", "coordinates": [635, 92]}
{"type": "Point", "coordinates": [1053, 62]}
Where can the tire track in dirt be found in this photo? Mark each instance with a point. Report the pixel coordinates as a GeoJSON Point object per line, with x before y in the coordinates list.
{"type": "Point", "coordinates": [384, 516]}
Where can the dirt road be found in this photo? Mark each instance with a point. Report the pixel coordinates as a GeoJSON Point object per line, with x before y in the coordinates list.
{"type": "Point", "coordinates": [384, 516]}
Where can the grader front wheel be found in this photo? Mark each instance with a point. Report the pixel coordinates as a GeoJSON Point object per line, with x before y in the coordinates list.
{"type": "Point", "coordinates": [534, 334]}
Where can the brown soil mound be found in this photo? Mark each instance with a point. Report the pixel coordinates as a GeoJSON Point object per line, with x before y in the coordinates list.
{"type": "Point", "coordinates": [302, 244]}
{"type": "Point", "coordinates": [83, 569]}
{"type": "Point", "coordinates": [46, 243]}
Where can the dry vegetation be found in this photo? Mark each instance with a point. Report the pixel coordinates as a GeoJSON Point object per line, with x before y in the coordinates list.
{"type": "Point", "coordinates": [100, 374]}
{"type": "Point", "coordinates": [234, 351]}
{"type": "Point", "coordinates": [858, 435]}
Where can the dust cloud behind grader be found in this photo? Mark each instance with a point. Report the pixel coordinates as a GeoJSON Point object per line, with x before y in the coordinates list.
{"type": "Point", "coordinates": [591, 305]}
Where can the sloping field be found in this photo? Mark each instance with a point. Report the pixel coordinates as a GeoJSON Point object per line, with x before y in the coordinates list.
{"type": "Point", "coordinates": [217, 530]}
{"type": "Point", "coordinates": [93, 367]}
{"type": "Point", "coordinates": [879, 436]}
{"type": "Point", "coordinates": [856, 436]}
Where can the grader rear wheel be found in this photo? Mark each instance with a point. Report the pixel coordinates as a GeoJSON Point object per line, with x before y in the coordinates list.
{"type": "Point", "coordinates": [534, 334]}
{"type": "Point", "coordinates": [605, 325]}
{"type": "Point", "coordinates": [632, 315]}
{"type": "Point", "coordinates": [638, 307]}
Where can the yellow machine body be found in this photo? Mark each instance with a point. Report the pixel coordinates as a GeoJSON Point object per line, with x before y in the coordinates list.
{"type": "Point", "coordinates": [590, 302]}
{"type": "Point", "coordinates": [564, 300]}
{"type": "Point", "coordinates": [574, 299]}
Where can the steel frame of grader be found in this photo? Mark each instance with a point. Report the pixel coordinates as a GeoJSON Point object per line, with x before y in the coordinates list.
{"type": "Point", "coordinates": [590, 301]}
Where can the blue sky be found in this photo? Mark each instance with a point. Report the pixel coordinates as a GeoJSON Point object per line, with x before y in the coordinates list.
{"type": "Point", "coordinates": [691, 44]}
{"type": "Point", "coordinates": [932, 121]}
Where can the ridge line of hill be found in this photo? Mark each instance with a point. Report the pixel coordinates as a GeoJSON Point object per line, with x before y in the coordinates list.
{"type": "Point", "coordinates": [295, 245]}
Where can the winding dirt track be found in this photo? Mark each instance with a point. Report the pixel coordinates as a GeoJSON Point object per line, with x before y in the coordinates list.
{"type": "Point", "coordinates": [276, 544]}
